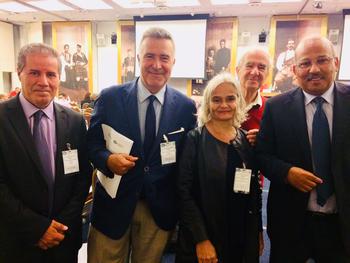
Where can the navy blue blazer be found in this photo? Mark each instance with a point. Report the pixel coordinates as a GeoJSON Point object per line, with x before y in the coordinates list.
{"type": "Point", "coordinates": [117, 107]}
{"type": "Point", "coordinates": [283, 142]}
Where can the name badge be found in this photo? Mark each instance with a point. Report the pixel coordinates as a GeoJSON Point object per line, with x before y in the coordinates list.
{"type": "Point", "coordinates": [241, 183]}
{"type": "Point", "coordinates": [70, 161]}
{"type": "Point", "coordinates": [168, 152]}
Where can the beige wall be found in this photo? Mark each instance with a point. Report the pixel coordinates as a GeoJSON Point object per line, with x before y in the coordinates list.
{"type": "Point", "coordinates": [31, 32]}
{"type": "Point", "coordinates": [7, 53]}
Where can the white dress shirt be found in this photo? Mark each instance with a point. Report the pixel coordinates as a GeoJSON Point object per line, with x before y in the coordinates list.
{"type": "Point", "coordinates": [310, 108]}
{"type": "Point", "coordinates": [142, 103]}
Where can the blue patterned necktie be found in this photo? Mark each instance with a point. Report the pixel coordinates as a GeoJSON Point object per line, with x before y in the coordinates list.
{"type": "Point", "coordinates": [150, 127]}
{"type": "Point", "coordinates": [321, 152]}
{"type": "Point", "coordinates": [44, 153]}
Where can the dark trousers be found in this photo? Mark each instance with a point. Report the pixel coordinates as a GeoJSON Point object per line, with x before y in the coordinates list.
{"type": "Point", "coordinates": [321, 242]}
{"type": "Point", "coordinates": [323, 238]}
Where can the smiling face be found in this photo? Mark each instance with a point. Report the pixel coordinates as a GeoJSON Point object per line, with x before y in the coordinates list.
{"type": "Point", "coordinates": [316, 66]}
{"type": "Point", "coordinates": [39, 79]}
{"type": "Point", "coordinates": [253, 70]}
{"type": "Point", "coordinates": [156, 59]}
{"type": "Point", "coordinates": [223, 105]}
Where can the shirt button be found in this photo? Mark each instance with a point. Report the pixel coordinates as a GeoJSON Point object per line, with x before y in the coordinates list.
{"type": "Point", "coordinates": [146, 169]}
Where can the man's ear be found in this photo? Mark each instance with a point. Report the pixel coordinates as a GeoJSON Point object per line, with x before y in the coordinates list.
{"type": "Point", "coordinates": [237, 70]}
{"type": "Point", "coordinates": [336, 63]}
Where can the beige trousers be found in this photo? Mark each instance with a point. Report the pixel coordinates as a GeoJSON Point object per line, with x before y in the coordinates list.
{"type": "Point", "coordinates": [143, 238]}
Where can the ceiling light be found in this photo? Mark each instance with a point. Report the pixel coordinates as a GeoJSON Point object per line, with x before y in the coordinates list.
{"type": "Point", "coordinates": [15, 7]}
{"type": "Point", "coordinates": [155, 3]}
{"type": "Point", "coordinates": [134, 4]}
{"type": "Point", "coordinates": [175, 3]}
{"type": "Point", "coordinates": [229, 2]}
{"type": "Point", "coordinates": [91, 4]}
{"type": "Point", "coordinates": [235, 2]}
{"type": "Point", "coordinates": [50, 5]}
{"type": "Point", "coordinates": [279, 1]}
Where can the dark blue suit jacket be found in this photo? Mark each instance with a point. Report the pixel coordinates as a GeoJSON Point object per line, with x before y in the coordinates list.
{"type": "Point", "coordinates": [117, 107]}
{"type": "Point", "coordinates": [283, 142]}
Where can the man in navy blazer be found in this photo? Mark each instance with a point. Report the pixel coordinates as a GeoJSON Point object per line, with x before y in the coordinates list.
{"type": "Point", "coordinates": [144, 210]}
{"type": "Point", "coordinates": [303, 220]}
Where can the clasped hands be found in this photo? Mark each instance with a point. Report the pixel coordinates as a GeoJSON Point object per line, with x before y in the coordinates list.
{"type": "Point", "coordinates": [53, 235]}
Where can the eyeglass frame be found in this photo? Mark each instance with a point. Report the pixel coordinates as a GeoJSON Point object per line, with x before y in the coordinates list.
{"type": "Point", "coordinates": [319, 64]}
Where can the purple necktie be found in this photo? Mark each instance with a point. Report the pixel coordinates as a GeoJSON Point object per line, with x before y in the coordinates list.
{"type": "Point", "coordinates": [44, 153]}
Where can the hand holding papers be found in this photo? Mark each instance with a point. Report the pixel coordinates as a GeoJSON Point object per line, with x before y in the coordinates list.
{"type": "Point", "coordinates": [119, 161]}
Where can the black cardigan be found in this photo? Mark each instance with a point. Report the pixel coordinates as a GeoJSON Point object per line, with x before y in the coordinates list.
{"type": "Point", "coordinates": [202, 198]}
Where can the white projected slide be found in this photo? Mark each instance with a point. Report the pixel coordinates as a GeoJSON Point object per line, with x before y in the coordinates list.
{"type": "Point", "coordinates": [189, 38]}
{"type": "Point", "coordinates": [344, 71]}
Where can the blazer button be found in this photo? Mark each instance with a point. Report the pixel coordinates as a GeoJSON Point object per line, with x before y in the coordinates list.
{"type": "Point", "coordinates": [146, 169]}
{"type": "Point", "coordinates": [250, 212]}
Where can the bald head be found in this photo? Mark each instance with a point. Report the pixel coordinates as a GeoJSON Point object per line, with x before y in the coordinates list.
{"type": "Point", "coordinates": [312, 41]}
{"type": "Point", "coordinates": [316, 65]}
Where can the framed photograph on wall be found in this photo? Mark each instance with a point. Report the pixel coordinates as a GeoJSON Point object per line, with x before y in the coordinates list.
{"type": "Point", "coordinates": [220, 46]}
{"type": "Point", "coordinates": [73, 41]}
{"type": "Point", "coordinates": [285, 34]}
{"type": "Point", "coordinates": [126, 51]}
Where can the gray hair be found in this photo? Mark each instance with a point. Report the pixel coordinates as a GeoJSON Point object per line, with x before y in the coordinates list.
{"type": "Point", "coordinates": [158, 33]}
{"type": "Point", "coordinates": [36, 48]}
{"type": "Point", "coordinates": [252, 51]}
{"type": "Point", "coordinates": [204, 111]}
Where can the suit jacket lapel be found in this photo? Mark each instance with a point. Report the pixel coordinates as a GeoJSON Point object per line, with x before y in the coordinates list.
{"type": "Point", "coordinates": [62, 126]}
{"type": "Point", "coordinates": [299, 126]}
{"type": "Point", "coordinates": [165, 118]}
{"type": "Point", "coordinates": [20, 125]}
{"type": "Point", "coordinates": [131, 108]}
{"type": "Point", "coordinates": [341, 118]}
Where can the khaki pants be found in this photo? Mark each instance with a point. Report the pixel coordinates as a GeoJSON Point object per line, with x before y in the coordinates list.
{"type": "Point", "coordinates": [143, 237]}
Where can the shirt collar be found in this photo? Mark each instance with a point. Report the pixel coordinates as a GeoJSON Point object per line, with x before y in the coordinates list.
{"type": "Point", "coordinates": [328, 96]}
{"type": "Point", "coordinates": [143, 93]}
{"type": "Point", "coordinates": [29, 109]}
{"type": "Point", "coordinates": [256, 102]}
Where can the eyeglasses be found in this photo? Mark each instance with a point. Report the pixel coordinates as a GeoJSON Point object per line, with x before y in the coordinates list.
{"type": "Point", "coordinates": [321, 61]}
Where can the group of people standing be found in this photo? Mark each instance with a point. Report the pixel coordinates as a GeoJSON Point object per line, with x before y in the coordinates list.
{"type": "Point", "coordinates": [217, 61]}
{"type": "Point", "coordinates": [204, 178]}
{"type": "Point", "coordinates": [74, 73]}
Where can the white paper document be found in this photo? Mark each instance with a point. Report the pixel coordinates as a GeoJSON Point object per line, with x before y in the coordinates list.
{"type": "Point", "coordinates": [115, 143]}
